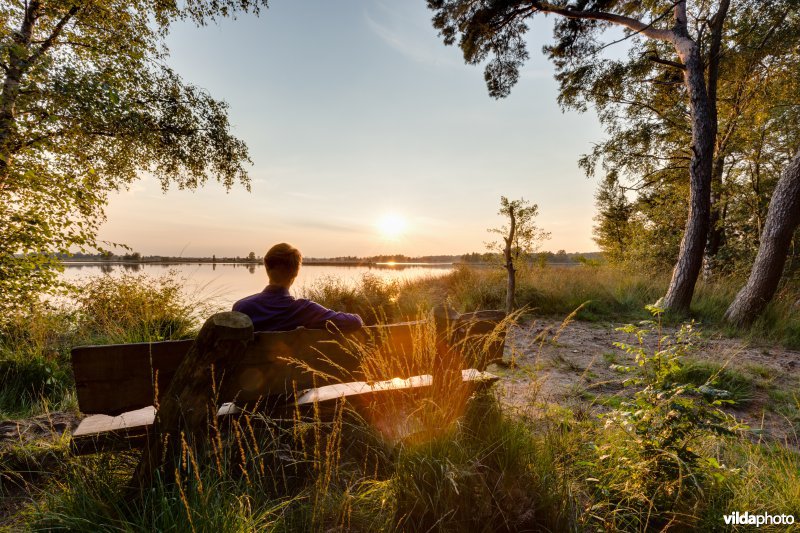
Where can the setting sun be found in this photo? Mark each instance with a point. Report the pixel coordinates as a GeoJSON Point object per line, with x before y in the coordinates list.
{"type": "Point", "coordinates": [392, 226]}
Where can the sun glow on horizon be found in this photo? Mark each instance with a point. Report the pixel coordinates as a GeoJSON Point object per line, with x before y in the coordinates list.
{"type": "Point", "coordinates": [392, 226]}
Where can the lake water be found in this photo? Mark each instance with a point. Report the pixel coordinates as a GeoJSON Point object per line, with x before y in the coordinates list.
{"type": "Point", "coordinates": [227, 282]}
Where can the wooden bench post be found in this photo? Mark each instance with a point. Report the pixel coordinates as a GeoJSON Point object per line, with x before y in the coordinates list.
{"type": "Point", "coordinates": [185, 405]}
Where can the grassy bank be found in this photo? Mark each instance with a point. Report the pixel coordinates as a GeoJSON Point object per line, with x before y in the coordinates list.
{"type": "Point", "coordinates": [34, 348]}
{"type": "Point", "coordinates": [666, 457]}
{"type": "Point", "coordinates": [609, 294]}
{"type": "Point", "coordinates": [667, 454]}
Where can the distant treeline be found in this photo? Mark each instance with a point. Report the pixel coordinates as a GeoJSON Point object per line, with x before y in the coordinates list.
{"type": "Point", "coordinates": [559, 257]}
{"type": "Point", "coordinates": [139, 258]}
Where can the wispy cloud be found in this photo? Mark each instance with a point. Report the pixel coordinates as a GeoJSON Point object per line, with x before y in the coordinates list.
{"type": "Point", "coordinates": [409, 36]}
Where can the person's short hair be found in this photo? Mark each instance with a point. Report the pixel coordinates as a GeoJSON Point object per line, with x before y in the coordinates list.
{"type": "Point", "coordinates": [283, 262]}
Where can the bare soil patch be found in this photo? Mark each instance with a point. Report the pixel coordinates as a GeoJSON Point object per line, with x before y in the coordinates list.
{"type": "Point", "coordinates": [571, 365]}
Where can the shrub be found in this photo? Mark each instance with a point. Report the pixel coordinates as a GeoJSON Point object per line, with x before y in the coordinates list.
{"type": "Point", "coordinates": [374, 299]}
{"type": "Point", "coordinates": [136, 308]}
{"type": "Point", "coordinates": [33, 385]}
{"type": "Point", "coordinates": [34, 362]}
{"type": "Point", "coordinates": [652, 462]}
{"type": "Point", "coordinates": [35, 346]}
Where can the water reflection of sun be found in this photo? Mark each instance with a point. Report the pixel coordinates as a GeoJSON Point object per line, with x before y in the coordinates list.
{"type": "Point", "coordinates": [392, 226]}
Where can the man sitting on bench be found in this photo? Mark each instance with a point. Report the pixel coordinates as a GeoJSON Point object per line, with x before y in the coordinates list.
{"type": "Point", "coordinates": [274, 309]}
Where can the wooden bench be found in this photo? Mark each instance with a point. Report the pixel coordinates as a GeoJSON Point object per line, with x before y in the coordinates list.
{"type": "Point", "coordinates": [118, 386]}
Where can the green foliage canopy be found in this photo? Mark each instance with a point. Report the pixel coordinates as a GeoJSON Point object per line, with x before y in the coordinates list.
{"type": "Point", "coordinates": [641, 104]}
{"type": "Point", "coordinates": [87, 104]}
{"type": "Point", "coordinates": [747, 56]}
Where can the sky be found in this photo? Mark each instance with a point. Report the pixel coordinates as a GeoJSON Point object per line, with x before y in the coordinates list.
{"type": "Point", "coordinates": [367, 136]}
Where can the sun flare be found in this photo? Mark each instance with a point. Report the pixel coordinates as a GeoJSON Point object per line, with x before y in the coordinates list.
{"type": "Point", "coordinates": [392, 226]}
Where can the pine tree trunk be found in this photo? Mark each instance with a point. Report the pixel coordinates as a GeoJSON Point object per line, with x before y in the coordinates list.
{"type": "Point", "coordinates": [690, 258]}
{"type": "Point", "coordinates": [783, 219]}
{"type": "Point", "coordinates": [716, 230]}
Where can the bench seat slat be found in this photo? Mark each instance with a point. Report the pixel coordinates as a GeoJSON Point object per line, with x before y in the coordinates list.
{"type": "Point", "coordinates": [346, 390]}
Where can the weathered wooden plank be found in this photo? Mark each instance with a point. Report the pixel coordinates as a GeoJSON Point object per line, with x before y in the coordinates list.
{"type": "Point", "coordinates": [122, 432]}
{"type": "Point", "coordinates": [281, 363]}
{"type": "Point", "coordinates": [119, 378]}
{"type": "Point", "coordinates": [347, 390]}
{"type": "Point", "coordinates": [96, 424]}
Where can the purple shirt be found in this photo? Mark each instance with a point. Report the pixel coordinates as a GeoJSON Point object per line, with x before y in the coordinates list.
{"type": "Point", "coordinates": [274, 309]}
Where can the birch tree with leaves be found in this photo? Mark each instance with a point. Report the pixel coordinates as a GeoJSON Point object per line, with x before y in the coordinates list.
{"type": "Point", "coordinates": [87, 104]}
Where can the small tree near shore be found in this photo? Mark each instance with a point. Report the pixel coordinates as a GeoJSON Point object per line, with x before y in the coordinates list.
{"type": "Point", "coordinates": [519, 237]}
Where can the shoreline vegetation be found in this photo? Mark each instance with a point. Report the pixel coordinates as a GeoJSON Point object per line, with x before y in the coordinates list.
{"type": "Point", "coordinates": [387, 260]}
{"type": "Point", "coordinates": [661, 445]}
{"type": "Point", "coordinates": [200, 260]}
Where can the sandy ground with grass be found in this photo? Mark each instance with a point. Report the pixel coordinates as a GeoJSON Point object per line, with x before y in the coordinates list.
{"type": "Point", "coordinates": [548, 365]}
{"type": "Point", "coordinates": [552, 363]}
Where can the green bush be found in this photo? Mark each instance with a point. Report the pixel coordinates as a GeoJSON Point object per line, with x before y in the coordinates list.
{"type": "Point", "coordinates": [34, 362]}
{"type": "Point", "coordinates": [653, 465]}
{"type": "Point", "coordinates": [34, 385]}
{"type": "Point", "coordinates": [664, 456]}
{"type": "Point", "coordinates": [35, 347]}
{"type": "Point", "coordinates": [711, 376]}
{"type": "Point", "coordinates": [377, 301]}
{"type": "Point", "coordinates": [136, 308]}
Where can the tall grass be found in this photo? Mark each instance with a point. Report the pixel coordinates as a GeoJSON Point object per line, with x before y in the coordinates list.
{"type": "Point", "coordinates": [609, 293]}
{"type": "Point", "coordinates": [443, 459]}
{"type": "Point", "coordinates": [137, 308]}
{"type": "Point", "coordinates": [459, 461]}
{"type": "Point", "coordinates": [454, 461]}
{"type": "Point", "coordinates": [559, 291]}
{"type": "Point", "coordinates": [34, 359]}
{"type": "Point", "coordinates": [487, 469]}
{"type": "Point", "coordinates": [34, 348]}
{"type": "Point", "coordinates": [490, 474]}
{"type": "Point", "coordinates": [376, 300]}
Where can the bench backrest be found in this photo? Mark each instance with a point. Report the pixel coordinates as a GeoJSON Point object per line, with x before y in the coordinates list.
{"type": "Point", "coordinates": [114, 379]}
